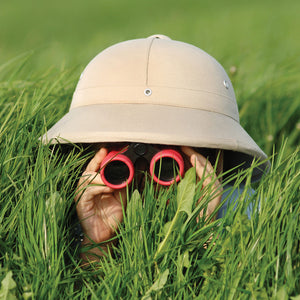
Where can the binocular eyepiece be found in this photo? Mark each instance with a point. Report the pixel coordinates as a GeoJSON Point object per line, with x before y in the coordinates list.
{"type": "Point", "coordinates": [117, 168]}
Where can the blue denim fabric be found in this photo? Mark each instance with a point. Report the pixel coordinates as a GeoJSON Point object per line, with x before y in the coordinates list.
{"type": "Point", "coordinates": [234, 198]}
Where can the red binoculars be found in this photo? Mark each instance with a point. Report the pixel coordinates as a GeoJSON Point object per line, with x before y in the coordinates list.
{"type": "Point", "coordinates": [117, 168]}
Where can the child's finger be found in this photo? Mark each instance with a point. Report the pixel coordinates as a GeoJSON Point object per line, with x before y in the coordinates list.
{"type": "Point", "coordinates": [90, 179]}
{"type": "Point", "coordinates": [203, 167]}
{"type": "Point", "coordinates": [87, 193]}
{"type": "Point", "coordinates": [94, 164]}
{"type": "Point", "coordinates": [201, 163]}
{"type": "Point", "coordinates": [189, 152]}
{"type": "Point", "coordinates": [96, 190]}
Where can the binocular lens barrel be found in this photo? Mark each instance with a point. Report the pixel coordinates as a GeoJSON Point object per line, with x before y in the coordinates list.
{"type": "Point", "coordinates": [166, 169]}
{"type": "Point", "coordinates": [116, 172]}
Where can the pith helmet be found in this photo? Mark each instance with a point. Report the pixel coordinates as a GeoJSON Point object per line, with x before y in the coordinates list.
{"type": "Point", "coordinates": [161, 91]}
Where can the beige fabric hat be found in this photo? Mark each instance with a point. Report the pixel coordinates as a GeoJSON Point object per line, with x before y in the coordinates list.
{"type": "Point", "coordinates": [156, 90]}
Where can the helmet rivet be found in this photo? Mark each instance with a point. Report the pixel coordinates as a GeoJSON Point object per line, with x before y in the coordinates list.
{"type": "Point", "coordinates": [226, 84]}
{"type": "Point", "coordinates": [147, 92]}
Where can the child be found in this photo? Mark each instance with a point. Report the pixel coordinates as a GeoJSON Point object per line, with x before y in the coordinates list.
{"type": "Point", "coordinates": [155, 91]}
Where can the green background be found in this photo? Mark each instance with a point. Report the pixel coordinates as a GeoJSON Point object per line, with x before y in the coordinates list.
{"type": "Point", "coordinates": [73, 32]}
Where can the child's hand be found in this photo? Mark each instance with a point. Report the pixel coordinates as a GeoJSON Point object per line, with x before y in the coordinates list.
{"type": "Point", "coordinates": [204, 168]}
{"type": "Point", "coordinates": [99, 208]}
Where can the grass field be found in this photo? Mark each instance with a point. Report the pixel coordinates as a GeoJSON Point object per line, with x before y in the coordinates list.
{"type": "Point", "coordinates": [44, 46]}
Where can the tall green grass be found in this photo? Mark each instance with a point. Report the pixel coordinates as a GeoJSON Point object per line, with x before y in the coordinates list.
{"type": "Point", "coordinates": [160, 251]}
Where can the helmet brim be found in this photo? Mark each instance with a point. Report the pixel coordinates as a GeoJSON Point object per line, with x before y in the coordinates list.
{"type": "Point", "coordinates": [156, 124]}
